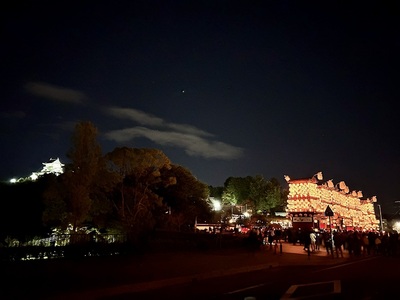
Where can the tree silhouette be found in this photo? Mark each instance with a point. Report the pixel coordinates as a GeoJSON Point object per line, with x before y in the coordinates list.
{"type": "Point", "coordinates": [69, 200]}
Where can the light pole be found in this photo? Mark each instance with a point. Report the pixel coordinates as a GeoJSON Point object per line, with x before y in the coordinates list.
{"type": "Point", "coordinates": [380, 217]}
{"type": "Point", "coordinates": [329, 213]}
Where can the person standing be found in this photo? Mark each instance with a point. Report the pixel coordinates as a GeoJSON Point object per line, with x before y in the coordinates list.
{"type": "Point", "coordinates": [313, 241]}
{"type": "Point", "coordinates": [318, 241]}
{"type": "Point", "coordinates": [307, 240]}
{"type": "Point", "coordinates": [328, 243]}
{"type": "Point", "coordinates": [365, 244]}
{"type": "Point", "coordinates": [338, 242]}
{"type": "Point", "coordinates": [271, 237]}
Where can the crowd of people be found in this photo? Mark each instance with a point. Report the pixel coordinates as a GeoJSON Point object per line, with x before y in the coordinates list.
{"type": "Point", "coordinates": [356, 243]}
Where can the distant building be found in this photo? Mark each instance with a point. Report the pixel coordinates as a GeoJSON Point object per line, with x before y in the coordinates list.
{"type": "Point", "coordinates": [53, 166]}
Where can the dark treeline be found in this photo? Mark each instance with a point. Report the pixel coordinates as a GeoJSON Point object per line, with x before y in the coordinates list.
{"type": "Point", "coordinates": [131, 191]}
{"type": "Point", "coordinates": [21, 208]}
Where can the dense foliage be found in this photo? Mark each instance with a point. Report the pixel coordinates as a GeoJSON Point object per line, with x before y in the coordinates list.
{"type": "Point", "coordinates": [131, 191]}
{"type": "Point", "coordinates": [264, 196]}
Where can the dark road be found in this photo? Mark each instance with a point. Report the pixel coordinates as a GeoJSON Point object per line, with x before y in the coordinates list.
{"type": "Point", "coordinates": [369, 278]}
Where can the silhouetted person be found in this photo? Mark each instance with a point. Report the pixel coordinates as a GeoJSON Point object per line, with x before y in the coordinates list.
{"type": "Point", "coordinates": [307, 240]}
{"type": "Point", "coordinates": [253, 241]}
{"type": "Point", "coordinates": [327, 242]}
{"type": "Point", "coordinates": [338, 242]}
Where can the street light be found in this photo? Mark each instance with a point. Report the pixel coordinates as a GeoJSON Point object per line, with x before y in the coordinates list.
{"type": "Point", "coordinates": [380, 217]}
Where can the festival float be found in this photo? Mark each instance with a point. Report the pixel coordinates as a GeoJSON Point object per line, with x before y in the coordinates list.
{"type": "Point", "coordinates": [315, 204]}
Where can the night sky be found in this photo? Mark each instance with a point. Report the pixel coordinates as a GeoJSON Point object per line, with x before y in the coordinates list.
{"type": "Point", "coordinates": [224, 88]}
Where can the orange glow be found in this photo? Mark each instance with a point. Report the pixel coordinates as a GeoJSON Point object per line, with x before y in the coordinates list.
{"type": "Point", "coordinates": [350, 211]}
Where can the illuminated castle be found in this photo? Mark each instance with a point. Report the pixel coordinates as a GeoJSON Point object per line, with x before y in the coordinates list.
{"type": "Point", "coordinates": [53, 166]}
{"type": "Point", "coordinates": [312, 203]}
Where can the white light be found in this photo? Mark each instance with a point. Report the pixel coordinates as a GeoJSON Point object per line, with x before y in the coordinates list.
{"type": "Point", "coordinates": [34, 176]}
{"type": "Point", "coordinates": [216, 204]}
{"type": "Point", "coordinates": [13, 180]}
{"type": "Point", "coordinates": [396, 226]}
